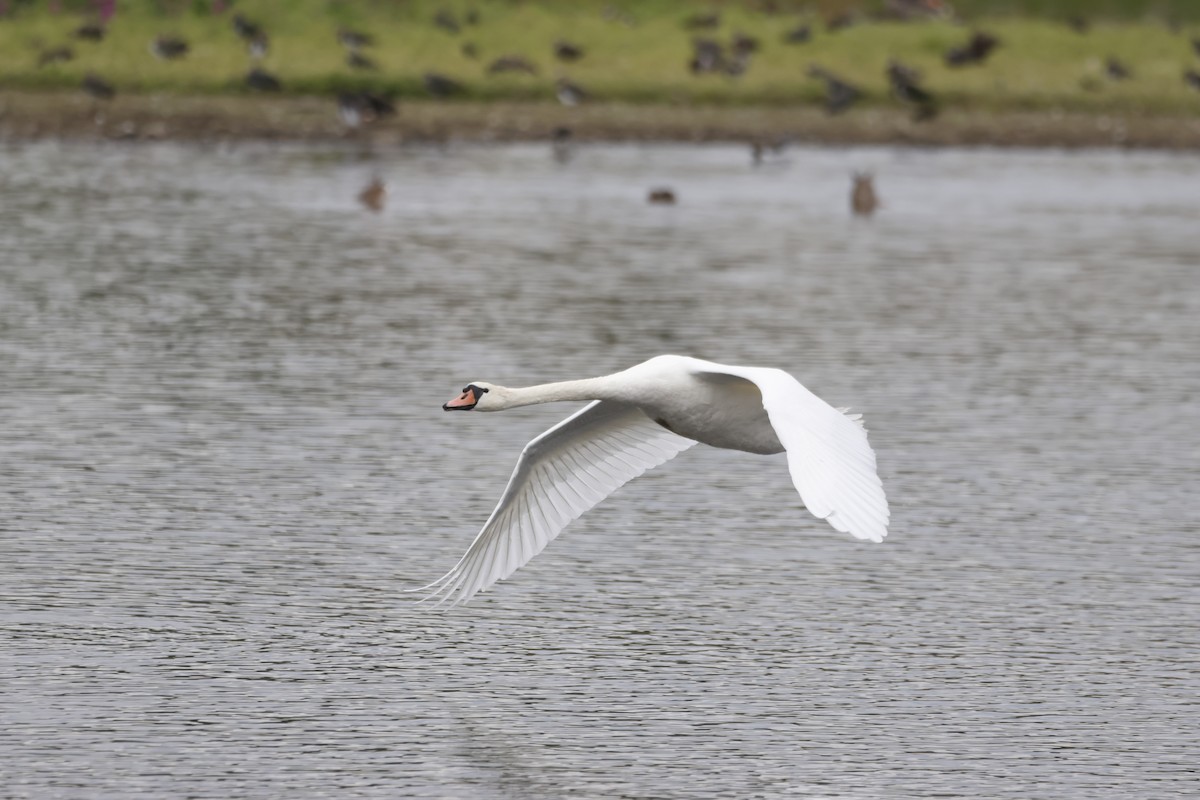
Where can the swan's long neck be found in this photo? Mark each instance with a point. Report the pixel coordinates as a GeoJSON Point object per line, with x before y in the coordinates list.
{"type": "Point", "coordinates": [587, 389]}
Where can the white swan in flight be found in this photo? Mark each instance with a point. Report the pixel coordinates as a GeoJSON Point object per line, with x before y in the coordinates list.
{"type": "Point", "coordinates": [644, 416]}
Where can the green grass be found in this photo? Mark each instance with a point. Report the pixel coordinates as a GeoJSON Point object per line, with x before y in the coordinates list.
{"type": "Point", "coordinates": [1041, 64]}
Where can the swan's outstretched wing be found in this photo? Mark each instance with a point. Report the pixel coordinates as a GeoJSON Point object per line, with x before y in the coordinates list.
{"type": "Point", "coordinates": [832, 465]}
{"type": "Point", "coordinates": [560, 475]}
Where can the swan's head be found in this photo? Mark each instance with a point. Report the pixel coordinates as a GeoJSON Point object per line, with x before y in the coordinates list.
{"type": "Point", "coordinates": [474, 396]}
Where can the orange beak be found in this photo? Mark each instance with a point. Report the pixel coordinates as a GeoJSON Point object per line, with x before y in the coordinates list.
{"type": "Point", "coordinates": [464, 402]}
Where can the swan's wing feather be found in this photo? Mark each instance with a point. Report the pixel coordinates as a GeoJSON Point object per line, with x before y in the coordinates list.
{"type": "Point", "coordinates": [560, 475]}
{"type": "Point", "coordinates": [831, 463]}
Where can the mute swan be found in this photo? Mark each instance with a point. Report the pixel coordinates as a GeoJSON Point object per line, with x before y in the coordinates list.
{"type": "Point", "coordinates": [644, 416]}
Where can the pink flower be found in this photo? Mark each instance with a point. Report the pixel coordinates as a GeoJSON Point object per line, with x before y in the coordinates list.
{"type": "Point", "coordinates": [105, 9]}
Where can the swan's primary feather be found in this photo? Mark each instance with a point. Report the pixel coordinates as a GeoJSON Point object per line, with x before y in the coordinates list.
{"type": "Point", "coordinates": [831, 464]}
{"type": "Point", "coordinates": [560, 474]}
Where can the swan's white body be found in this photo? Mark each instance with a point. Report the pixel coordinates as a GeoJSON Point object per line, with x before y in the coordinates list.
{"type": "Point", "coordinates": [644, 416]}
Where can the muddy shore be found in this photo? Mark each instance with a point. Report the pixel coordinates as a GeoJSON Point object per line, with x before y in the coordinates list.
{"type": "Point", "coordinates": [30, 115]}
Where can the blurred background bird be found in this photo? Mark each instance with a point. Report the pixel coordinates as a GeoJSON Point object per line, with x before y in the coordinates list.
{"type": "Point", "coordinates": [839, 94]}
{"type": "Point", "coordinates": [569, 94]}
{"type": "Point", "coordinates": [263, 81]}
{"type": "Point", "coordinates": [975, 51]}
{"type": "Point", "coordinates": [95, 86]}
{"type": "Point", "coordinates": [565, 51]}
{"type": "Point", "coordinates": [169, 48]}
{"type": "Point", "coordinates": [512, 63]}
{"type": "Point", "coordinates": [661, 197]}
{"type": "Point", "coordinates": [374, 196]}
{"type": "Point", "coordinates": [439, 85]}
{"type": "Point", "coordinates": [561, 144]}
{"type": "Point", "coordinates": [863, 200]}
{"type": "Point", "coordinates": [905, 85]}
{"type": "Point", "coordinates": [90, 31]}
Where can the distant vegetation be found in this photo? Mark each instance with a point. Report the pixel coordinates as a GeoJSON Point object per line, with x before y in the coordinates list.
{"type": "Point", "coordinates": [1118, 55]}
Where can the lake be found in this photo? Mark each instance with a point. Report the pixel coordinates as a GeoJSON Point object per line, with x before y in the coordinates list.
{"type": "Point", "coordinates": [223, 457]}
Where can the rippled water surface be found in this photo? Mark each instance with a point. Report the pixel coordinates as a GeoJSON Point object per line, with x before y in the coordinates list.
{"type": "Point", "coordinates": [222, 457]}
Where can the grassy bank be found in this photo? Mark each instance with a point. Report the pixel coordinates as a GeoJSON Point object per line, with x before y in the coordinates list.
{"type": "Point", "coordinates": [34, 115]}
{"type": "Point", "coordinates": [638, 55]}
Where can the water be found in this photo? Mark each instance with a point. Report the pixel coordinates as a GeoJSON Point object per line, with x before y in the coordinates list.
{"type": "Point", "coordinates": [223, 457]}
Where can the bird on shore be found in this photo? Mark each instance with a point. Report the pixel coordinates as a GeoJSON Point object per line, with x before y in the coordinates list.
{"type": "Point", "coordinates": [742, 47]}
{"type": "Point", "coordinates": [569, 94]}
{"type": "Point", "coordinates": [354, 40]}
{"type": "Point", "coordinates": [661, 197]}
{"type": "Point", "coordinates": [261, 80]}
{"type": "Point", "coordinates": [1078, 23]}
{"type": "Point", "coordinates": [446, 20]}
{"type": "Point", "coordinates": [737, 65]}
{"type": "Point", "coordinates": [1116, 70]}
{"type": "Point", "coordinates": [863, 200]}
{"type": "Point", "coordinates": [975, 51]}
{"type": "Point", "coordinates": [905, 10]}
{"type": "Point", "coordinates": [905, 83]}
{"type": "Point", "coordinates": [356, 60]}
{"type": "Point", "coordinates": [90, 31]}
{"type": "Point", "coordinates": [839, 95]}
{"type": "Point", "coordinates": [374, 196]}
{"type": "Point", "coordinates": [169, 48]}
{"type": "Point", "coordinates": [258, 46]}
{"type": "Point", "coordinates": [611, 13]}
{"type": "Point", "coordinates": [742, 44]}
{"type": "Point", "coordinates": [349, 111]}
{"type": "Point", "coordinates": [253, 35]}
{"type": "Point", "coordinates": [55, 55]}
{"type": "Point", "coordinates": [439, 85]}
{"type": "Point", "coordinates": [567, 52]}
{"type": "Point", "coordinates": [245, 29]}
{"type": "Point", "coordinates": [798, 35]}
{"type": "Point", "coordinates": [97, 87]}
{"type": "Point", "coordinates": [642, 417]}
{"type": "Point", "coordinates": [375, 105]}
{"type": "Point", "coordinates": [708, 55]}
{"type": "Point", "coordinates": [361, 108]}
{"type": "Point", "coordinates": [840, 21]}
{"type": "Point", "coordinates": [512, 63]}
{"type": "Point", "coordinates": [701, 21]}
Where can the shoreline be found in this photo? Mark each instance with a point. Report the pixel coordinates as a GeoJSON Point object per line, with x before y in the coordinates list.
{"type": "Point", "coordinates": [28, 116]}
